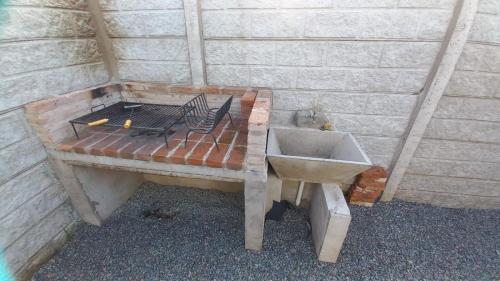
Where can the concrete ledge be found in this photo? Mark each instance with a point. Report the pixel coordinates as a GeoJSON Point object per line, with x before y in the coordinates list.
{"type": "Point", "coordinates": [330, 219]}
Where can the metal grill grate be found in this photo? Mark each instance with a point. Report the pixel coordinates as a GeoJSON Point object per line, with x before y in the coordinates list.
{"type": "Point", "coordinates": [151, 117]}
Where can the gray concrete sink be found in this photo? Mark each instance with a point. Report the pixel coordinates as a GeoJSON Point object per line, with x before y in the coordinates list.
{"type": "Point", "coordinates": [311, 155]}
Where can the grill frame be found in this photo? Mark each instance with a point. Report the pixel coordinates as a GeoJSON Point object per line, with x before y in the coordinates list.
{"type": "Point", "coordinates": [149, 117]}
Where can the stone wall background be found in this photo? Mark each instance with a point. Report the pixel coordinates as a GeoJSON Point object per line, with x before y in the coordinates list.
{"type": "Point", "coordinates": [362, 62]}
{"type": "Point", "coordinates": [47, 47]}
{"type": "Point", "coordinates": [149, 40]}
{"type": "Point", "coordinates": [458, 162]}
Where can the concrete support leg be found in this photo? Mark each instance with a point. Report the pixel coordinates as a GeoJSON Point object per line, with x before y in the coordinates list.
{"type": "Point", "coordinates": [255, 209]}
{"type": "Point", "coordinates": [330, 219]}
{"type": "Point", "coordinates": [74, 189]}
{"type": "Point", "coordinates": [274, 185]}
{"type": "Point", "coordinates": [107, 189]}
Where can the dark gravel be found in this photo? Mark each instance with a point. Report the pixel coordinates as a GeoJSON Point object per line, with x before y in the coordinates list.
{"type": "Point", "coordinates": [204, 241]}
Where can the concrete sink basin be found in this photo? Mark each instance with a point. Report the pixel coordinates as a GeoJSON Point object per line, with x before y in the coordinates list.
{"type": "Point", "coordinates": [310, 155]}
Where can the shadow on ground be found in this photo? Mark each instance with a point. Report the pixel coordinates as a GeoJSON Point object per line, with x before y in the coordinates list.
{"type": "Point", "coordinates": [200, 237]}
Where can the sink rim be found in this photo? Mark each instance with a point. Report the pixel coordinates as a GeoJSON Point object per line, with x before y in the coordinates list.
{"type": "Point", "coordinates": [367, 160]}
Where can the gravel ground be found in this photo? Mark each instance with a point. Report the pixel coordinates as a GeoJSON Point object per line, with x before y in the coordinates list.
{"type": "Point", "coordinates": [204, 241]}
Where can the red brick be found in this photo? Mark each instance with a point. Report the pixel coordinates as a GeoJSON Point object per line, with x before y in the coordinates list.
{"type": "Point", "coordinates": [82, 146]}
{"type": "Point", "coordinates": [374, 172]}
{"type": "Point", "coordinates": [185, 90]}
{"type": "Point", "coordinates": [227, 137]}
{"type": "Point", "coordinates": [377, 184]}
{"type": "Point", "coordinates": [236, 158]}
{"type": "Point", "coordinates": [161, 155]}
{"type": "Point", "coordinates": [234, 90]}
{"type": "Point", "coordinates": [128, 151]}
{"type": "Point", "coordinates": [243, 126]}
{"type": "Point", "coordinates": [97, 148]}
{"type": "Point", "coordinates": [358, 194]}
{"type": "Point", "coordinates": [179, 156]}
{"type": "Point", "coordinates": [198, 154]}
{"type": "Point", "coordinates": [145, 153]}
{"type": "Point", "coordinates": [211, 89]}
{"type": "Point", "coordinates": [216, 132]}
{"type": "Point", "coordinates": [180, 134]}
{"type": "Point", "coordinates": [216, 157]}
{"type": "Point", "coordinates": [248, 99]}
{"type": "Point", "coordinates": [114, 149]}
{"type": "Point", "coordinates": [67, 144]}
{"type": "Point", "coordinates": [241, 139]}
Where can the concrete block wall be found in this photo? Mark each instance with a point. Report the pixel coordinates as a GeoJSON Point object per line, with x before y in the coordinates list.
{"type": "Point", "coordinates": [149, 40]}
{"type": "Point", "coordinates": [46, 48]}
{"type": "Point", "coordinates": [362, 62]}
{"type": "Point", "coordinates": [457, 164]}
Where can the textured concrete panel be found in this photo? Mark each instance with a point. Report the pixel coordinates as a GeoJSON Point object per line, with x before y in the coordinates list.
{"type": "Point", "coordinates": [23, 187]}
{"type": "Point", "coordinates": [147, 24]}
{"type": "Point", "coordinates": [409, 55]}
{"type": "Point", "coordinates": [31, 56]}
{"type": "Point", "coordinates": [228, 75]}
{"type": "Point", "coordinates": [449, 200]}
{"type": "Point", "coordinates": [272, 24]}
{"type": "Point", "coordinates": [378, 80]}
{"type": "Point", "coordinates": [20, 220]}
{"type": "Point", "coordinates": [272, 77]}
{"type": "Point", "coordinates": [378, 145]}
{"type": "Point", "coordinates": [37, 237]}
{"type": "Point", "coordinates": [485, 28]}
{"type": "Point", "coordinates": [17, 157]}
{"type": "Point", "coordinates": [124, 5]}
{"type": "Point", "coordinates": [460, 169]}
{"type": "Point", "coordinates": [411, 81]}
{"type": "Point", "coordinates": [331, 24]}
{"type": "Point", "coordinates": [27, 23]}
{"type": "Point", "coordinates": [450, 185]}
{"type": "Point", "coordinates": [174, 73]}
{"type": "Point", "coordinates": [480, 57]}
{"type": "Point", "coordinates": [355, 54]}
{"type": "Point", "coordinates": [370, 124]}
{"type": "Point", "coordinates": [151, 49]}
{"type": "Point", "coordinates": [456, 150]}
{"type": "Point", "coordinates": [18, 91]}
{"type": "Point", "coordinates": [443, 4]}
{"type": "Point", "coordinates": [389, 24]}
{"type": "Point", "coordinates": [226, 24]}
{"type": "Point", "coordinates": [239, 52]}
{"type": "Point", "coordinates": [473, 84]}
{"type": "Point", "coordinates": [299, 53]}
{"type": "Point", "coordinates": [13, 128]}
{"type": "Point", "coordinates": [68, 4]}
{"type": "Point", "coordinates": [392, 105]}
{"type": "Point", "coordinates": [312, 78]}
{"type": "Point", "coordinates": [366, 3]}
{"type": "Point", "coordinates": [463, 130]}
{"type": "Point", "coordinates": [469, 108]}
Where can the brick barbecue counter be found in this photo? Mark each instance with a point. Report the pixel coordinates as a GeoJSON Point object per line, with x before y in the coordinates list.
{"type": "Point", "coordinates": [102, 168]}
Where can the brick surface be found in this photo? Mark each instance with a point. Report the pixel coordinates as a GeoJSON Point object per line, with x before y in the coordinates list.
{"type": "Point", "coordinates": [198, 155]}
{"type": "Point", "coordinates": [236, 158]}
{"type": "Point", "coordinates": [181, 153]}
{"type": "Point", "coordinates": [162, 154]}
{"type": "Point", "coordinates": [216, 157]}
{"type": "Point", "coordinates": [241, 139]}
{"type": "Point", "coordinates": [227, 137]}
{"type": "Point", "coordinates": [97, 148]}
{"type": "Point", "coordinates": [84, 145]}
{"type": "Point", "coordinates": [200, 151]}
{"type": "Point", "coordinates": [114, 149]}
{"type": "Point", "coordinates": [128, 151]}
{"type": "Point", "coordinates": [145, 153]}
